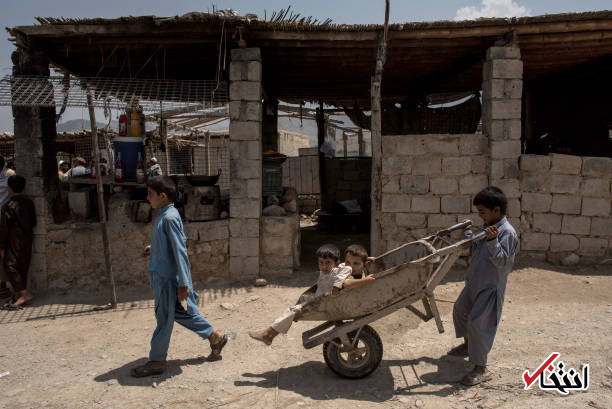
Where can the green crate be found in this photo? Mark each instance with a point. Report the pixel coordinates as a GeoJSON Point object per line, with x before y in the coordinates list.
{"type": "Point", "coordinates": [272, 179]}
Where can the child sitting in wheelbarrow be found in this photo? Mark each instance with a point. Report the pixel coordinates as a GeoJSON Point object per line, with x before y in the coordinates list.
{"type": "Point", "coordinates": [332, 278]}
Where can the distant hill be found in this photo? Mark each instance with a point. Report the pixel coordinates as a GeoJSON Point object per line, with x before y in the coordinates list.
{"type": "Point", "coordinates": [76, 125]}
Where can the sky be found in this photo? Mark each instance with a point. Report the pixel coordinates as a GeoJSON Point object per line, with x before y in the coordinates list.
{"type": "Point", "coordinates": [22, 12]}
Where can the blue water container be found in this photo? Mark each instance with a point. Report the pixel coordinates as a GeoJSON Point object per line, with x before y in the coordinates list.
{"type": "Point", "coordinates": [129, 147]}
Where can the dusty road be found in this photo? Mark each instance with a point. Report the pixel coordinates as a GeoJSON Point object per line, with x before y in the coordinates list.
{"type": "Point", "coordinates": [60, 354]}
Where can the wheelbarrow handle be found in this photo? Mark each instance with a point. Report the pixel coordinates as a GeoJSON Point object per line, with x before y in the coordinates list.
{"type": "Point", "coordinates": [458, 226]}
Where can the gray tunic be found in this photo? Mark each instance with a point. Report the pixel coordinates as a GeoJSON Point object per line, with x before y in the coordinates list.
{"type": "Point", "coordinates": [478, 309]}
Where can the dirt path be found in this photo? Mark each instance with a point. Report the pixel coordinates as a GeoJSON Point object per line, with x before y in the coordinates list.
{"type": "Point", "coordinates": [62, 355]}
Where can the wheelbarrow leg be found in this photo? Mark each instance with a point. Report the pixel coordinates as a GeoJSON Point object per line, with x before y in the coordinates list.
{"type": "Point", "coordinates": [434, 311]}
{"type": "Point", "coordinates": [428, 313]}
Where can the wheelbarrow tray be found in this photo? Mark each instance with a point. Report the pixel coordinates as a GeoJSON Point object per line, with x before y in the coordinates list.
{"type": "Point", "coordinates": [398, 274]}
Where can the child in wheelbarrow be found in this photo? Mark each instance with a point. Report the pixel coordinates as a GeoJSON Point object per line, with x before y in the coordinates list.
{"type": "Point", "coordinates": [477, 311]}
{"type": "Point", "coordinates": [332, 278]}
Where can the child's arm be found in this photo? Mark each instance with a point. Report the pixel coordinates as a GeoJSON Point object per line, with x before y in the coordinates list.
{"type": "Point", "coordinates": [358, 282]}
{"type": "Point", "coordinates": [179, 250]}
{"type": "Point", "coordinates": [501, 247]}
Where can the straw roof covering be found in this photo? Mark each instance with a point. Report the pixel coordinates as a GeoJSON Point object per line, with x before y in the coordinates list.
{"type": "Point", "coordinates": [309, 60]}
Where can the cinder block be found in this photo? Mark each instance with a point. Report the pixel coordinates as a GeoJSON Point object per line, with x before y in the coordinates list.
{"type": "Point", "coordinates": [391, 184]}
{"type": "Point", "coordinates": [504, 109]}
{"type": "Point", "coordinates": [536, 182]}
{"type": "Point", "coordinates": [396, 165]}
{"type": "Point", "coordinates": [246, 208]}
{"type": "Point", "coordinates": [245, 91]}
{"type": "Point", "coordinates": [592, 246]}
{"type": "Point", "coordinates": [506, 69]}
{"type": "Point", "coordinates": [254, 71]}
{"type": "Point", "coordinates": [247, 168]}
{"type": "Point", "coordinates": [472, 184]}
{"type": "Point", "coordinates": [426, 204]}
{"type": "Point", "coordinates": [442, 145]}
{"type": "Point", "coordinates": [535, 241]}
{"type": "Point", "coordinates": [502, 129]}
{"type": "Point", "coordinates": [473, 144]}
{"type": "Point", "coordinates": [601, 226]}
{"type": "Point", "coordinates": [566, 204]}
{"type": "Point", "coordinates": [503, 53]}
{"type": "Point", "coordinates": [479, 164]}
{"type": "Point", "coordinates": [443, 185]}
{"type": "Point", "coordinates": [595, 187]}
{"type": "Point", "coordinates": [504, 169]}
{"type": "Point", "coordinates": [410, 145]}
{"type": "Point", "coordinates": [237, 227]}
{"type": "Point", "coordinates": [576, 225]}
{"type": "Point", "coordinates": [246, 54]}
{"type": "Point", "coordinates": [566, 164]}
{"type": "Point", "coordinates": [456, 166]}
{"type": "Point", "coordinates": [244, 247]}
{"type": "Point", "coordinates": [597, 166]}
{"type": "Point", "coordinates": [238, 71]}
{"type": "Point", "coordinates": [414, 184]}
{"type": "Point", "coordinates": [395, 203]}
{"type": "Point", "coordinates": [510, 187]}
{"type": "Point", "coordinates": [254, 188]}
{"type": "Point", "coordinates": [547, 222]}
{"type": "Point", "coordinates": [456, 204]}
{"type": "Point", "coordinates": [563, 242]}
{"type": "Point", "coordinates": [565, 183]}
{"type": "Point", "coordinates": [412, 220]}
{"type": "Point", "coordinates": [505, 149]}
{"type": "Point", "coordinates": [245, 130]}
{"type": "Point", "coordinates": [426, 165]}
{"type": "Point", "coordinates": [437, 221]}
{"type": "Point", "coordinates": [514, 208]}
{"type": "Point", "coordinates": [535, 163]}
{"type": "Point", "coordinates": [595, 206]}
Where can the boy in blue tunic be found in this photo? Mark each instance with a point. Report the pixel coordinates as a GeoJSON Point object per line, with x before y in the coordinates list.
{"type": "Point", "coordinates": [175, 299]}
{"type": "Point", "coordinates": [477, 311]}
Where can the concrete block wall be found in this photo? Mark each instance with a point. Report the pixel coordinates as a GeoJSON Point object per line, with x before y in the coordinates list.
{"type": "Point", "coordinates": [280, 244]}
{"type": "Point", "coordinates": [428, 182]}
{"type": "Point", "coordinates": [566, 208]}
{"type": "Point", "coordinates": [75, 260]}
{"type": "Point", "coordinates": [245, 162]}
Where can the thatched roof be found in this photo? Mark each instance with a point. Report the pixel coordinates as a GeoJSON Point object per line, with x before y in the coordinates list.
{"type": "Point", "coordinates": [307, 60]}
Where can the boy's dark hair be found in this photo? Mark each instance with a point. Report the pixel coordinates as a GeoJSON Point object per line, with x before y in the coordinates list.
{"type": "Point", "coordinates": [491, 197]}
{"type": "Point", "coordinates": [357, 250]}
{"type": "Point", "coordinates": [329, 251]}
{"type": "Point", "coordinates": [16, 183]}
{"type": "Point", "coordinates": [163, 184]}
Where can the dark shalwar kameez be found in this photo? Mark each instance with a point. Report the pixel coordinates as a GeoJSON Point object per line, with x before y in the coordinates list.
{"type": "Point", "coordinates": [477, 311]}
{"type": "Point", "coordinates": [16, 235]}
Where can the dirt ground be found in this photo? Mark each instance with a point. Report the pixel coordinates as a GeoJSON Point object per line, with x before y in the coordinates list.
{"type": "Point", "coordinates": [61, 354]}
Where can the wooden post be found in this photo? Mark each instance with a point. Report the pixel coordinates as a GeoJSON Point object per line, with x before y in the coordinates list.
{"type": "Point", "coordinates": [208, 153]}
{"type": "Point", "coordinates": [376, 131]}
{"type": "Point", "coordinates": [165, 139]}
{"type": "Point", "coordinates": [360, 143]}
{"type": "Point", "coordinates": [345, 143]}
{"type": "Point", "coordinates": [101, 208]}
{"type": "Point", "coordinates": [320, 139]}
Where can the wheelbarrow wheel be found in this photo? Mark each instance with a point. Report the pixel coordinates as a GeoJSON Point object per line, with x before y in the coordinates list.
{"type": "Point", "coordinates": [359, 363]}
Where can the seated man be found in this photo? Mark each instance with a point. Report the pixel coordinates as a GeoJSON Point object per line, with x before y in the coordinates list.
{"type": "Point", "coordinates": [331, 280]}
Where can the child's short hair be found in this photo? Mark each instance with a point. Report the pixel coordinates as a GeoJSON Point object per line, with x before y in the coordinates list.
{"type": "Point", "coordinates": [491, 197]}
{"type": "Point", "coordinates": [16, 183]}
{"type": "Point", "coordinates": [163, 184]}
{"type": "Point", "coordinates": [329, 251]}
{"type": "Point", "coordinates": [356, 250]}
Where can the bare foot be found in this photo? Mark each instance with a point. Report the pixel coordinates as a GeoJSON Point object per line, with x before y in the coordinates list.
{"type": "Point", "coordinates": [24, 298]}
{"type": "Point", "coordinates": [461, 350]}
{"type": "Point", "coordinates": [264, 336]}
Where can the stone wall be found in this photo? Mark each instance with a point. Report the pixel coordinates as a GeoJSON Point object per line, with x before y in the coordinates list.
{"type": "Point", "coordinates": [75, 257]}
{"type": "Point", "coordinates": [566, 208]}
{"type": "Point", "coordinates": [290, 143]}
{"type": "Point", "coordinates": [428, 182]}
{"type": "Point", "coordinates": [280, 244]}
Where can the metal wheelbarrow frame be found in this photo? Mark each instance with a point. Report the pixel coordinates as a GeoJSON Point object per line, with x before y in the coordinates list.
{"type": "Point", "coordinates": [352, 348]}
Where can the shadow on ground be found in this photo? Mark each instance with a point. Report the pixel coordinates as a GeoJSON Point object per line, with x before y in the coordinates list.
{"type": "Point", "coordinates": [323, 384]}
{"type": "Point", "coordinates": [123, 374]}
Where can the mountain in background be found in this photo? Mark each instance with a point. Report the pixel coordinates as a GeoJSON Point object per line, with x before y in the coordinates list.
{"type": "Point", "coordinates": [76, 125]}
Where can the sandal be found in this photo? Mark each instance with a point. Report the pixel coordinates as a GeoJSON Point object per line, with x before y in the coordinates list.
{"type": "Point", "coordinates": [10, 307]}
{"type": "Point", "coordinates": [215, 353]}
{"type": "Point", "coordinates": [474, 378]}
{"type": "Point", "coordinates": [147, 370]}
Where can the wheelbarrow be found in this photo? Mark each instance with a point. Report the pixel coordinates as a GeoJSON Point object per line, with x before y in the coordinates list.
{"type": "Point", "coordinates": [403, 276]}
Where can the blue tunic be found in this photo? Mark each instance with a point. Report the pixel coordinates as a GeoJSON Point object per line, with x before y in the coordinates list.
{"type": "Point", "coordinates": [477, 311]}
{"type": "Point", "coordinates": [168, 270]}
